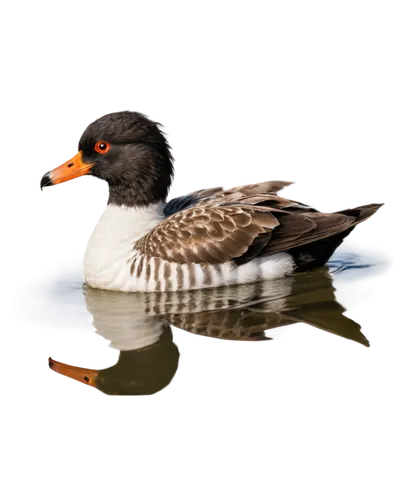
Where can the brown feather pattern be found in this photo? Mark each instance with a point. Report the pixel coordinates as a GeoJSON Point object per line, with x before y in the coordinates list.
{"type": "Point", "coordinates": [240, 224]}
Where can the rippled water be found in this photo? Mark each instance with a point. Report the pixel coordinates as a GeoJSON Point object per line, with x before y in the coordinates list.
{"type": "Point", "coordinates": [139, 325]}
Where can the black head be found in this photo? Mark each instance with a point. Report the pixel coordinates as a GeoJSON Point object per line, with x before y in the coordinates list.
{"type": "Point", "coordinates": [127, 150]}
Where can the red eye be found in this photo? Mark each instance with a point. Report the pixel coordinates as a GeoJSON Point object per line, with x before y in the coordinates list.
{"type": "Point", "coordinates": [102, 147]}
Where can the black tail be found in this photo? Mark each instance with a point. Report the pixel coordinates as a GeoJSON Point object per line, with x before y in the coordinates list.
{"type": "Point", "coordinates": [361, 213]}
{"type": "Point", "coordinates": [318, 253]}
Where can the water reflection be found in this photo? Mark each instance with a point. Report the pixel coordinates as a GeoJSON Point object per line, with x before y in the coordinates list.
{"type": "Point", "coordinates": [141, 371]}
{"type": "Point", "coordinates": [138, 325]}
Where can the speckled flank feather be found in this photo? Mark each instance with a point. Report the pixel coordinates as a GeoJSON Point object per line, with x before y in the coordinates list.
{"type": "Point", "coordinates": [152, 274]}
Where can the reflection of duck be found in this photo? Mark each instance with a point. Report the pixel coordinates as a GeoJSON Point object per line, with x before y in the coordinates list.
{"type": "Point", "coordinates": [207, 239]}
{"type": "Point", "coordinates": [138, 324]}
{"type": "Point", "coordinates": [132, 321]}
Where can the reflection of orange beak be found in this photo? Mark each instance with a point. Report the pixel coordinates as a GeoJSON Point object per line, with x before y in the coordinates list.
{"type": "Point", "coordinates": [67, 171]}
{"type": "Point", "coordinates": [83, 375]}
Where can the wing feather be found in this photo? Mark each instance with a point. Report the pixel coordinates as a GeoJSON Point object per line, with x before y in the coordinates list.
{"type": "Point", "coordinates": [216, 196]}
{"type": "Point", "coordinates": [207, 234]}
{"type": "Point", "coordinates": [240, 224]}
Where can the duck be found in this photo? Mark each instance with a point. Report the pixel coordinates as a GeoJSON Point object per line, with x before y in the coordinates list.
{"type": "Point", "coordinates": [208, 238]}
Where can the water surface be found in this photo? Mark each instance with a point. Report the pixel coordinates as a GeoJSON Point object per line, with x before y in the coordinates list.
{"type": "Point", "coordinates": [139, 325]}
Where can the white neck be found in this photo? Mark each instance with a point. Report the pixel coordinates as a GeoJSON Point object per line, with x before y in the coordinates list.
{"type": "Point", "coordinates": [114, 237]}
{"type": "Point", "coordinates": [133, 222]}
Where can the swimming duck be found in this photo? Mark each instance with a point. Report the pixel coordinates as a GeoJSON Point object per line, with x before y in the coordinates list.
{"type": "Point", "coordinates": [209, 238]}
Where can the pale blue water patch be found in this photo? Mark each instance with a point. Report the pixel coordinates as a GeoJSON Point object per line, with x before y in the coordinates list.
{"type": "Point", "coordinates": [55, 299]}
{"type": "Point", "coordinates": [353, 265]}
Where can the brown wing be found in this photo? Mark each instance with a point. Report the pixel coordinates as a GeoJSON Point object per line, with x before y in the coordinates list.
{"type": "Point", "coordinates": [242, 223]}
{"type": "Point", "coordinates": [208, 234]}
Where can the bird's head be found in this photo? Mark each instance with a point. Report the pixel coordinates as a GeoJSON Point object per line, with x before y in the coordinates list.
{"type": "Point", "coordinates": [129, 152]}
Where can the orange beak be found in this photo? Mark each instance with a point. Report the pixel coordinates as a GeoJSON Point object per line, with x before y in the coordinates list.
{"type": "Point", "coordinates": [74, 167]}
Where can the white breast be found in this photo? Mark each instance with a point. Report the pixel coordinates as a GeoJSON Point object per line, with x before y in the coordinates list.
{"type": "Point", "coordinates": [110, 248]}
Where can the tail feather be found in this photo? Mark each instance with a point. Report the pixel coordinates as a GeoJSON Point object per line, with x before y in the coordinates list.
{"type": "Point", "coordinates": [362, 213]}
{"type": "Point", "coordinates": [318, 253]}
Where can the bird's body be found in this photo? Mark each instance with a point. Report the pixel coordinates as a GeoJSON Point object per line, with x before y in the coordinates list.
{"type": "Point", "coordinates": [209, 238]}
{"type": "Point", "coordinates": [113, 261]}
